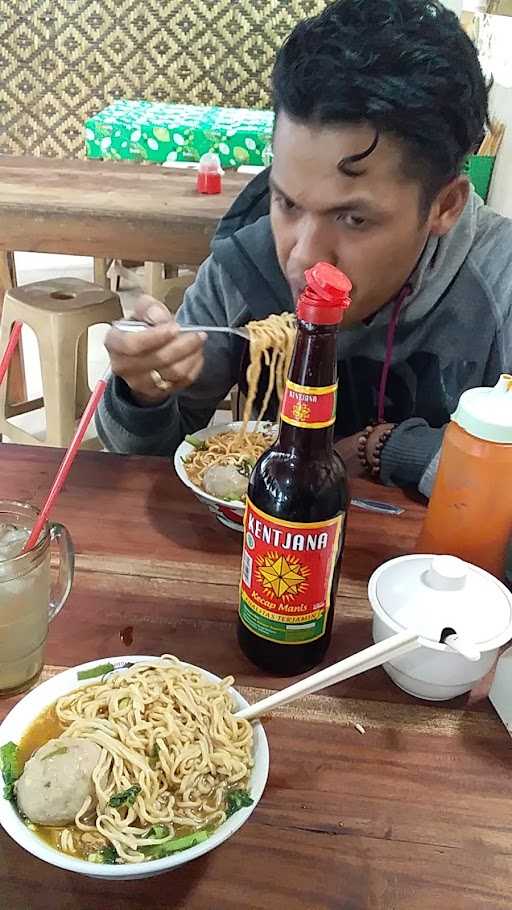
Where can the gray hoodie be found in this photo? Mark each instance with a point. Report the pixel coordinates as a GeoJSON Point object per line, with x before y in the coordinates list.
{"type": "Point", "coordinates": [450, 331]}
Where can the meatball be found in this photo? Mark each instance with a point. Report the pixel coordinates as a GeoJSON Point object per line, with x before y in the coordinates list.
{"type": "Point", "coordinates": [225, 481]}
{"type": "Point", "coordinates": [56, 780]}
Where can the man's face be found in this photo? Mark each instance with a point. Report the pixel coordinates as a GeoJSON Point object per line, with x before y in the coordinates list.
{"type": "Point", "coordinates": [369, 225]}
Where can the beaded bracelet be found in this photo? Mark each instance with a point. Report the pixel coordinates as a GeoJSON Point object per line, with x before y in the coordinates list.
{"type": "Point", "coordinates": [362, 443]}
{"type": "Point", "coordinates": [372, 465]}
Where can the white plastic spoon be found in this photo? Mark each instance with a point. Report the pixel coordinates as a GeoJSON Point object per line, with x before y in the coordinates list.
{"type": "Point", "coordinates": [374, 656]}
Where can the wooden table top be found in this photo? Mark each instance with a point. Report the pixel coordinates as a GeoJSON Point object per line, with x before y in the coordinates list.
{"type": "Point", "coordinates": [109, 208]}
{"type": "Point", "coordinates": [413, 815]}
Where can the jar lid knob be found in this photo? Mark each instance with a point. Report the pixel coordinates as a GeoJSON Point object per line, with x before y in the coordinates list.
{"type": "Point", "coordinates": [446, 573]}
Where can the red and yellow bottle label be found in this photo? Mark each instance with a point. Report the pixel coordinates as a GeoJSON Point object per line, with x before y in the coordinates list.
{"type": "Point", "coordinates": [309, 407]}
{"type": "Point", "coordinates": [287, 576]}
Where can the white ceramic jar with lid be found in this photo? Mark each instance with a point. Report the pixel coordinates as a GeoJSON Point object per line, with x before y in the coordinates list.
{"type": "Point", "coordinates": [430, 594]}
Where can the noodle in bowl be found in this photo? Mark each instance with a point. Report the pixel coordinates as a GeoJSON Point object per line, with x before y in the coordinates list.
{"type": "Point", "coordinates": [230, 513]}
{"type": "Point", "coordinates": [220, 472]}
{"type": "Point", "coordinates": [79, 703]}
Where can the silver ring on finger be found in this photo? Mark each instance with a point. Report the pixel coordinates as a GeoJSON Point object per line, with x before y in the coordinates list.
{"type": "Point", "coordinates": [158, 380]}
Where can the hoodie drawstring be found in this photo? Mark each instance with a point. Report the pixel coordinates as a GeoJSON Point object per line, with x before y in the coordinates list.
{"type": "Point", "coordinates": [390, 340]}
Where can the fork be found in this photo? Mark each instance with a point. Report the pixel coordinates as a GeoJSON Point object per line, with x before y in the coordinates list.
{"type": "Point", "coordinates": [131, 325]}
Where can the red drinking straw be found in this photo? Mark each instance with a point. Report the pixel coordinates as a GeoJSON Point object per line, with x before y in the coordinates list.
{"type": "Point", "coordinates": [10, 349]}
{"type": "Point", "coordinates": [75, 443]}
{"type": "Point", "coordinates": [67, 462]}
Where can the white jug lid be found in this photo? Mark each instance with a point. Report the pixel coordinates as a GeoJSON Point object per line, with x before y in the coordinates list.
{"type": "Point", "coordinates": [430, 593]}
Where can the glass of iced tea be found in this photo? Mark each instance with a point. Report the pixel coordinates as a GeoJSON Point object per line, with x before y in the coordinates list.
{"type": "Point", "coordinates": [29, 598]}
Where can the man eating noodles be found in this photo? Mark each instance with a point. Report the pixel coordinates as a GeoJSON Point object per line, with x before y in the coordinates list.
{"type": "Point", "coordinates": [378, 103]}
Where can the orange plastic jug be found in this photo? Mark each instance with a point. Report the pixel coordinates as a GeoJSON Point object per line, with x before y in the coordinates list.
{"type": "Point", "coordinates": [470, 511]}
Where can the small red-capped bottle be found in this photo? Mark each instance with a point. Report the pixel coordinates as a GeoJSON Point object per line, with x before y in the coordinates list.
{"type": "Point", "coordinates": [209, 175]}
{"type": "Point", "coordinates": [294, 529]}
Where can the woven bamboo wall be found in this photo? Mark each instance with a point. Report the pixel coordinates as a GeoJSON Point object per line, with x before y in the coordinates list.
{"type": "Point", "coordinates": [63, 60]}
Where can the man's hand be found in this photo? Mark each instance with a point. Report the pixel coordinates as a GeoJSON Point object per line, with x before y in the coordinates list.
{"type": "Point", "coordinates": [347, 448]}
{"type": "Point", "coordinates": [133, 355]}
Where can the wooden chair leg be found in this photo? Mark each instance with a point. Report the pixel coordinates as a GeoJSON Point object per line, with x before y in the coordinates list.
{"type": "Point", "coordinates": [11, 265]}
{"type": "Point", "coordinates": [83, 391]}
{"type": "Point", "coordinates": [17, 386]}
{"type": "Point", "coordinates": [101, 267]}
{"type": "Point", "coordinates": [170, 271]}
{"type": "Point", "coordinates": [5, 275]}
{"type": "Point", "coordinates": [153, 276]}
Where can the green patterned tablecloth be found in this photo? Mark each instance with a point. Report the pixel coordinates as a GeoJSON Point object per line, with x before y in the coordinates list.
{"type": "Point", "coordinates": [143, 130]}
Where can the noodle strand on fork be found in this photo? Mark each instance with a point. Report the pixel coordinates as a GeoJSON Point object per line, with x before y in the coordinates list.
{"type": "Point", "coordinates": [276, 333]}
{"type": "Point", "coordinates": [271, 345]}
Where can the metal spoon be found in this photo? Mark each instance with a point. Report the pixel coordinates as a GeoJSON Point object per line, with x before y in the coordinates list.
{"type": "Point", "coordinates": [131, 325]}
{"type": "Point", "coordinates": [375, 505]}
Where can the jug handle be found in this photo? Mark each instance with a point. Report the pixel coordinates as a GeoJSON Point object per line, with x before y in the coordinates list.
{"type": "Point", "coordinates": [61, 588]}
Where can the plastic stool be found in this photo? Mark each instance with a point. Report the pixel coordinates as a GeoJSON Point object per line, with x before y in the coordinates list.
{"type": "Point", "coordinates": [59, 311]}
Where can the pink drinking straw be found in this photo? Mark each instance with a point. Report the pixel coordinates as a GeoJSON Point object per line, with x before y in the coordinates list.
{"type": "Point", "coordinates": [10, 349]}
{"type": "Point", "coordinates": [67, 461]}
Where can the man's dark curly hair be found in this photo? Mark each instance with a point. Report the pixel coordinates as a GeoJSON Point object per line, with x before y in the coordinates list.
{"type": "Point", "coordinates": [406, 67]}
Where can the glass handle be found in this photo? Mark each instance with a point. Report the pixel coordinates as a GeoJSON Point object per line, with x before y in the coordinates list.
{"type": "Point", "coordinates": [60, 590]}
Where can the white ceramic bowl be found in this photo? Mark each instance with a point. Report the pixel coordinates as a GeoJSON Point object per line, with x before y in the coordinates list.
{"type": "Point", "coordinates": [230, 514]}
{"type": "Point", "coordinates": [25, 712]}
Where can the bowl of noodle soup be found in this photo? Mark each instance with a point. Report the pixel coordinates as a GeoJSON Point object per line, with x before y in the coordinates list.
{"type": "Point", "coordinates": [224, 444]}
{"type": "Point", "coordinates": [177, 776]}
{"type": "Point", "coordinates": [216, 462]}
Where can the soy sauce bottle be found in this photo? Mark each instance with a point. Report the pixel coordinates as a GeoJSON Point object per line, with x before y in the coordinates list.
{"type": "Point", "coordinates": [294, 527]}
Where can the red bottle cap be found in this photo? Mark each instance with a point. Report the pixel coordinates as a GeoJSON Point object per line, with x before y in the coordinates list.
{"type": "Point", "coordinates": [326, 296]}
